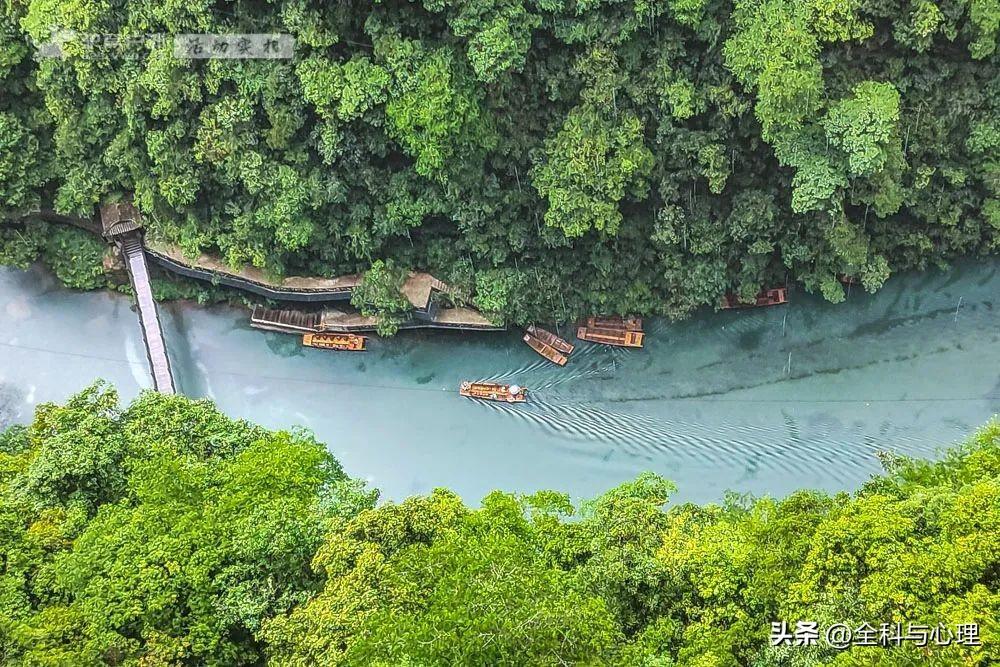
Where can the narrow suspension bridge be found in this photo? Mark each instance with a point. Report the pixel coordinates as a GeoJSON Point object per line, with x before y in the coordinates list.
{"type": "Point", "coordinates": [122, 225]}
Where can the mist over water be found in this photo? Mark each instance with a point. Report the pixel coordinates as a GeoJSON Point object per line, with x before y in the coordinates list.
{"type": "Point", "coordinates": [763, 401]}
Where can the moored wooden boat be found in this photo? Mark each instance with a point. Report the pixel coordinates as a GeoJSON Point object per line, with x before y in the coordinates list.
{"type": "Point", "coordinates": [546, 350]}
{"type": "Point", "coordinates": [615, 322]}
{"type": "Point", "coordinates": [490, 391]}
{"type": "Point", "coordinates": [768, 297]}
{"type": "Point", "coordinates": [335, 341]}
{"type": "Point", "coordinates": [550, 338]}
{"type": "Point", "coordinates": [619, 337]}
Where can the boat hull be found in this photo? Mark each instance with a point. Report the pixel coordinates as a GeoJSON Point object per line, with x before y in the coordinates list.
{"type": "Point", "coordinates": [546, 350]}
{"type": "Point", "coordinates": [327, 341]}
{"type": "Point", "coordinates": [617, 337]}
{"type": "Point", "coordinates": [615, 322]}
{"type": "Point", "coordinates": [488, 391]}
{"type": "Point", "coordinates": [550, 339]}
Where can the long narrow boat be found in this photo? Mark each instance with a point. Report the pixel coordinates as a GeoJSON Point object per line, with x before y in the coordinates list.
{"type": "Point", "coordinates": [334, 341]}
{"type": "Point", "coordinates": [619, 337]}
{"type": "Point", "coordinates": [490, 391]}
{"type": "Point", "coordinates": [615, 322]}
{"type": "Point", "coordinates": [768, 297]}
{"type": "Point", "coordinates": [546, 350]}
{"type": "Point", "coordinates": [550, 338]}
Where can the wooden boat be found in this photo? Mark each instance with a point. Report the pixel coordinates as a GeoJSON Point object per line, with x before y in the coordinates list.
{"type": "Point", "coordinates": [768, 297]}
{"type": "Point", "coordinates": [550, 338]}
{"type": "Point", "coordinates": [615, 322]}
{"type": "Point", "coordinates": [490, 391]}
{"type": "Point", "coordinates": [619, 337]}
{"type": "Point", "coordinates": [546, 350]}
{"type": "Point", "coordinates": [335, 341]}
{"type": "Point", "coordinates": [846, 279]}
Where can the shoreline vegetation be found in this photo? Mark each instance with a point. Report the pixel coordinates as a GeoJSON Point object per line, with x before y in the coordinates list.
{"type": "Point", "coordinates": [386, 299]}
{"type": "Point", "coordinates": [548, 159]}
{"type": "Point", "coordinates": [163, 532]}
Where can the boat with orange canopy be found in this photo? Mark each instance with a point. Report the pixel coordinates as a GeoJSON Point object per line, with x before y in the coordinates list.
{"type": "Point", "coordinates": [333, 341]}
{"type": "Point", "coordinates": [491, 391]}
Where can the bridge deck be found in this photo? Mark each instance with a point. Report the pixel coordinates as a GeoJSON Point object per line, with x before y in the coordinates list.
{"type": "Point", "coordinates": [149, 319]}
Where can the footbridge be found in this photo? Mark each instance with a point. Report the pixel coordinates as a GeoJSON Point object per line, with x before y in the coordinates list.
{"type": "Point", "coordinates": [121, 224]}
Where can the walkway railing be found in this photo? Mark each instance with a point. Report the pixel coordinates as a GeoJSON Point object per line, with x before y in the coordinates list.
{"type": "Point", "coordinates": [149, 318]}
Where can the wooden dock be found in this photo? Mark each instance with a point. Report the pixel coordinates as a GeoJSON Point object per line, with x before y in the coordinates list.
{"type": "Point", "coordinates": [331, 320]}
{"type": "Point", "coordinates": [285, 321]}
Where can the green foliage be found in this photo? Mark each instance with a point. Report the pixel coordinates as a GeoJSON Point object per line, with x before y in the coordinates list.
{"type": "Point", "coordinates": [166, 533]}
{"type": "Point", "coordinates": [76, 257]}
{"type": "Point", "coordinates": [379, 295]}
{"type": "Point", "coordinates": [604, 153]}
{"type": "Point", "coordinates": [590, 166]}
{"type": "Point", "coordinates": [775, 53]}
{"type": "Point", "coordinates": [984, 24]}
{"type": "Point", "coordinates": [497, 290]}
{"type": "Point", "coordinates": [20, 177]}
{"type": "Point", "coordinates": [459, 587]}
{"type": "Point", "coordinates": [435, 115]}
{"type": "Point", "coordinates": [21, 244]}
{"type": "Point", "coordinates": [866, 127]}
{"type": "Point", "coordinates": [498, 33]}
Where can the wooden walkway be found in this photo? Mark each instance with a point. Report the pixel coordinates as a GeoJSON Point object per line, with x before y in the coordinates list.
{"type": "Point", "coordinates": [285, 321]}
{"type": "Point", "coordinates": [149, 318]}
{"type": "Point", "coordinates": [331, 320]}
{"type": "Point", "coordinates": [417, 288]}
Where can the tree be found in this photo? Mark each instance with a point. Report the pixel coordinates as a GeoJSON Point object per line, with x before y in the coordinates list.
{"type": "Point", "coordinates": [380, 295]}
{"type": "Point", "coordinates": [168, 532]}
{"type": "Point", "coordinates": [165, 533]}
{"type": "Point", "coordinates": [590, 166]}
{"type": "Point", "coordinates": [602, 149]}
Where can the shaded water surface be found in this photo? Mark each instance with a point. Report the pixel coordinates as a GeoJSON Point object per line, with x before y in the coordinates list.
{"type": "Point", "coordinates": [762, 401]}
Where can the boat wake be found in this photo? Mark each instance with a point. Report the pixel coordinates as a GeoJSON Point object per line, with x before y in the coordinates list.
{"type": "Point", "coordinates": [777, 447]}
{"type": "Point", "coordinates": [537, 365]}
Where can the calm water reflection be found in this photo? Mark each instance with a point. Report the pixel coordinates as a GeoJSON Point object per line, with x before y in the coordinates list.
{"type": "Point", "coordinates": [764, 401]}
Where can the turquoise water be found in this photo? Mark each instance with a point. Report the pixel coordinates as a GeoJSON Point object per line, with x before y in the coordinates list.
{"type": "Point", "coordinates": [762, 401]}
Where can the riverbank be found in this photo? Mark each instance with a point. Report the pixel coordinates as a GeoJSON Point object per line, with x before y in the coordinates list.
{"type": "Point", "coordinates": [759, 401]}
{"type": "Point", "coordinates": [433, 304]}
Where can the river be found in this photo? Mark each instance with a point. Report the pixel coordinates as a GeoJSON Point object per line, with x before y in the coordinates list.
{"type": "Point", "coordinates": [762, 401]}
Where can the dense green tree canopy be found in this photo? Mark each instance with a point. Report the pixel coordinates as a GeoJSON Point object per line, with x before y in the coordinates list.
{"type": "Point", "coordinates": [164, 533]}
{"type": "Point", "coordinates": [625, 155]}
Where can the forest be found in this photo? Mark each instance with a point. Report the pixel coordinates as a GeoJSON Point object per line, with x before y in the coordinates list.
{"type": "Point", "coordinates": [165, 533]}
{"type": "Point", "coordinates": [546, 157]}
